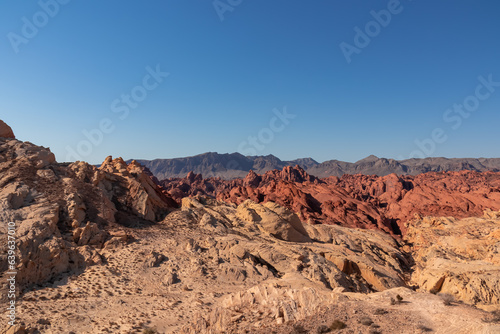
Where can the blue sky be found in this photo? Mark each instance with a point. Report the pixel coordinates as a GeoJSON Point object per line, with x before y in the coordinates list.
{"type": "Point", "coordinates": [227, 76]}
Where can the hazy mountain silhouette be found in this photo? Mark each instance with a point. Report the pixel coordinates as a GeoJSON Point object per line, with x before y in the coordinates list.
{"type": "Point", "coordinates": [233, 165]}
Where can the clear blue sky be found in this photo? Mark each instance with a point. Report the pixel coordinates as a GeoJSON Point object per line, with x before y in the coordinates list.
{"type": "Point", "coordinates": [226, 77]}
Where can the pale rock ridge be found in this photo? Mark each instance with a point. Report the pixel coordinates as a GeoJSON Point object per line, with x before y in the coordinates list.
{"type": "Point", "coordinates": [458, 257]}
{"type": "Point", "coordinates": [291, 280]}
{"type": "Point", "coordinates": [61, 211]}
{"type": "Point", "coordinates": [143, 195]}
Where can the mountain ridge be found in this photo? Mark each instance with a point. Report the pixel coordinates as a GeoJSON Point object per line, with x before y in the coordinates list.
{"type": "Point", "coordinates": [235, 165]}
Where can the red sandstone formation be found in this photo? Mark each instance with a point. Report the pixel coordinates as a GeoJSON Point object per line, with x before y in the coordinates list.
{"type": "Point", "coordinates": [6, 131]}
{"type": "Point", "coordinates": [365, 201]}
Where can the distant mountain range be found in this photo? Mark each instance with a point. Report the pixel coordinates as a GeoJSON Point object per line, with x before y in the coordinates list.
{"type": "Point", "coordinates": [235, 165]}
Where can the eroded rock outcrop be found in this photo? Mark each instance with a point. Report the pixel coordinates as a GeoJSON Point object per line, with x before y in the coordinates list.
{"type": "Point", "coordinates": [62, 213]}
{"type": "Point", "coordinates": [281, 244]}
{"type": "Point", "coordinates": [6, 131]}
{"type": "Point", "coordinates": [458, 257]}
{"type": "Point", "coordinates": [281, 281]}
{"type": "Point", "coordinates": [131, 188]}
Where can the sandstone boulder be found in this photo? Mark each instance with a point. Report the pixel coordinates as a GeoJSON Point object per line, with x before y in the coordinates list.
{"type": "Point", "coordinates": [5, 130]}
{"type": "Point", "coordinates": [271, 222]}
{"type": "Point", "coordinates": [62, 212]}
{"type": "Point", "coordinates": [458, 257]}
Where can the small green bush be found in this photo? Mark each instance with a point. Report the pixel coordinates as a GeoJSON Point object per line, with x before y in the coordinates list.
{"type": "Point", "coordinates": [149, 331]}
{"type": "Point", "coordinates": [447, 299]}
{"type": "Point", "coordinates": [365, 321]}
{"type": "Point", "coordinates": [424, 328]}
{"type": "Point", "coordinates": [322, 329]}
{"type": "Point", "coordinates": [398, 300]}
{"type": "Point", "coordinates": [299, 329]}
{"type": "Point", "coordinates": [380, 311]}
{"type": "Point", "coordinates": [337, 324]}
{"type": "Point", "coordinates": [495, 317]}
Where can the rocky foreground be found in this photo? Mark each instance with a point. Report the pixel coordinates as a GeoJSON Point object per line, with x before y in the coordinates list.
{"type": "Point", "coordinates": [107, 250]}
